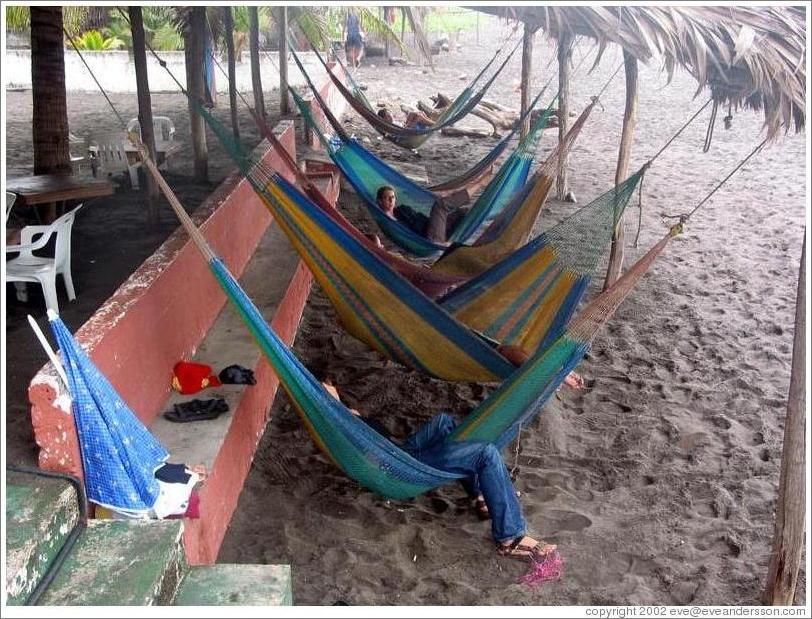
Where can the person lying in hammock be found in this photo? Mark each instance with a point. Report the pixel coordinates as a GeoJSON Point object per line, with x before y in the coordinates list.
{"type": "Point", "coordinates": [488, 482]}
{"type": "Point", "coordinates": [414, 119]}
{"type": "Point", "coordinates": [442, 219]}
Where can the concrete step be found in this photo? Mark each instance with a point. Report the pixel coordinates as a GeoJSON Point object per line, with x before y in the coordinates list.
{"type": "Point", "coordinates": [40, 514]}
{"type": "Point", "coordinates": [236, 585]}
{"type": "Point", "coordinates": [121, 563]}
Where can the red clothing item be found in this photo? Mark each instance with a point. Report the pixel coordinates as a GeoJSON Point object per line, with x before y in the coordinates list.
{"type": "Point", "coordinates": [192, 377]}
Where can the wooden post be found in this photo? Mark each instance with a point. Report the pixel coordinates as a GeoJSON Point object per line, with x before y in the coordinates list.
{"type": "Point", "coordinates": [527, 67]}
{"type": "Point", "coordinates": [194, 50]}
{"type": "Point", "coordinates": [256, 77]}
{"type": "Point", "coordinates": [788, 538]}
{"type": "Point", "coordinates": [564, 71]}
{"type": "Point", "coordinates": [144, 105]}
{"type": "Point", "coordinates": [284, 104]}
{"type": "Point", "coordinates": [622, 170]}
{"type": "Point", "coordinates": [228, 25]}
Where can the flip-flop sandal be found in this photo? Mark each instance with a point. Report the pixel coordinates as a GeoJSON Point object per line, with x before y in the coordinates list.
{"type": "Point", "coordinates": [523, 551]}
{"type": "Point", "coordinates": [197, 410]}
{"type": "Point", "coordinates": [481, 509]}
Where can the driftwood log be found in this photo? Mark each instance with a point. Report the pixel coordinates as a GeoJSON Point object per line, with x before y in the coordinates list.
{"type": "Point", "coordinates": [498, 116]}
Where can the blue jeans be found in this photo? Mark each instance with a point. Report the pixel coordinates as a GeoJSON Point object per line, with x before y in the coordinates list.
{"type": "Point", "coordinates": [483, 467]}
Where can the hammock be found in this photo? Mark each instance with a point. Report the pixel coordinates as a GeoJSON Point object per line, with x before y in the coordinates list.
{"type": "Point", "coordinates": [383, 310]}
{"type": "Point", "coordinates": [413, 137]}
{"type": "Point", "coordinates": [366, 173]}
{"type": "Point", "coordinates": [473, 175]}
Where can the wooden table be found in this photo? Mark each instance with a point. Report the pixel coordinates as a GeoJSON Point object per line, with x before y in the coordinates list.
{"type": "Point", "coordinates": [50, 189]}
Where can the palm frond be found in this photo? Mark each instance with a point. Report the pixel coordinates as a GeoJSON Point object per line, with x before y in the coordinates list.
{"type": "Point", "coordinates": [748, 56]}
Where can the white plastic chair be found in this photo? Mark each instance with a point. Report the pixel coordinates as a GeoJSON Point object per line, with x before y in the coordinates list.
{"type": "Point", "coordinates": [162, 125]}
{"type": "Point", "coordinates": [10, 199]}
{"type": "Point", "coordinates": [108, 156]}
{"type": "Point", "coordinates": [28, 267]}
{"type": "Point", "coordinates": [164, 132]}
{"type": "Point", "coordinates": [78, 160]}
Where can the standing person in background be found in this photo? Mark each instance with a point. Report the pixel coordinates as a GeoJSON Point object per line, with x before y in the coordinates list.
{"type": "Point", "coordinates": [353, 39]}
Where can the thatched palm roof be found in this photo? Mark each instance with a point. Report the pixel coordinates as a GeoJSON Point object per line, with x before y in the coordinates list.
{"type": "Point", "coordinates": [749, 56]}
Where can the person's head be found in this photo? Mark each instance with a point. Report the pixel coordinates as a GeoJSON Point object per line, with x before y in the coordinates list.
{"type": "Point", "coordinates": [387, 199]}
{"type": "Point", "coordinates": [386, 115]}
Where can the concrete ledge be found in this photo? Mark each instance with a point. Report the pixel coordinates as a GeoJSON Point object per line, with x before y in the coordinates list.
{"type": "Point", "coordinates": [279, 285]}
{"type": "Point", "coordinates": [148, 323]}
{"type": "Point", "coordinates": [236, 585]}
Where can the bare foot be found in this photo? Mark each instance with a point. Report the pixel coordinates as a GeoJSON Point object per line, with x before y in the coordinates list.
{"type": "Point", "coordinates": [200, 471]}
{"type": "Point", "coordinates": [573, 380]}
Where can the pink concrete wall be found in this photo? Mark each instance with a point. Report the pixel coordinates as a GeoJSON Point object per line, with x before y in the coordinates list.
{"type": "Point", "coordinates": [140, 332]}
{"type": "Point", "coordinates": [219, 495]}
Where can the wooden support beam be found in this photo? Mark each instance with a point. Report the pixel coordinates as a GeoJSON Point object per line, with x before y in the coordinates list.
{"type": "Point", "coordinates": [284, 102]}
{"type": "Point", "coordinates": [194, 50]}
{"type": "Point", "coordinates": [144, 105]}
{"type": "Point", "coordinates": [228, 26]}
{"type": "Point", "coordinates": [564, 74]}
{"type": "Point", "coordinates": [622, 170]}
{"type": "Point", "coordinates": [527, 67]}
{"type": "Point", "coordinates": [256, 77]}
{"type": "Point", "coordinates": [788, 538]}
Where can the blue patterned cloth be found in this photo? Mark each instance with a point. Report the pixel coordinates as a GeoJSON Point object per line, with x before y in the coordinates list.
{"type": "Point", "coordinates": [119, 455]}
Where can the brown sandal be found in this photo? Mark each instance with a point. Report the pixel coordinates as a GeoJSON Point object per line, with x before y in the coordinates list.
{"type": "Point", "coordinates": [481, 508]}
{"type": "Point", "coordinates": [516, 548]}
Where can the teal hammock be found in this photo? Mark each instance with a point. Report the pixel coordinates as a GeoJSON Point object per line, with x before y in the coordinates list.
{"type": "Point", "coordinates": [378, 463]}
{"type": "Point", "coordinates": [413, 137]}
{"type": "Point", "coordinates": [367, 173]}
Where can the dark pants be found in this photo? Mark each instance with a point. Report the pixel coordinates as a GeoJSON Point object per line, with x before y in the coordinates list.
{"type": "Point", "coordinates": [443, 221]}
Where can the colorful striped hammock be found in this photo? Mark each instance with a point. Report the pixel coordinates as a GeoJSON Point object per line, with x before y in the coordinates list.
{"type": "Point", "coordinates": [385, 311]}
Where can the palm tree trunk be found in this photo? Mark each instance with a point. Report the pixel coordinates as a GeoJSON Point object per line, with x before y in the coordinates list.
{"type": "Point", "coordinates": [144, 105]}
{"type": "Point", "coordinates": [228, 22]}
{"type": "Point", "coordinates": [194, 49]}
{"type": "Point", "coordinates": [256, 78]}
{"type": "Point", "coordinates": [284, 107]}
{"type": "Point", "coordinates": [50, 108]}
{"type": "Point", "coordinates": [624, 154]}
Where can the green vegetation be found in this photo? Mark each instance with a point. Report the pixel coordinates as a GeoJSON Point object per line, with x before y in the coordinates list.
{"type": "Point", "coordinates": [94, 41]}
{"type": "Point", "coordinates": [450, 19]}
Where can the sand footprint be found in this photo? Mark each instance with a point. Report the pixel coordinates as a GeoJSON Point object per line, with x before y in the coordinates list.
{"type": "Point", "coordinates": [557, 521]}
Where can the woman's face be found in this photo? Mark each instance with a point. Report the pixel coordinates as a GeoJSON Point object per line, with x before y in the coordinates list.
{"type": "Point", "coordinates": [387, 201]}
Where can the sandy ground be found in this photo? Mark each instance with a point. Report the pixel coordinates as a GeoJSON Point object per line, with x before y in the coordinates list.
{"type": "Point", "coordinates": [658, 481]}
